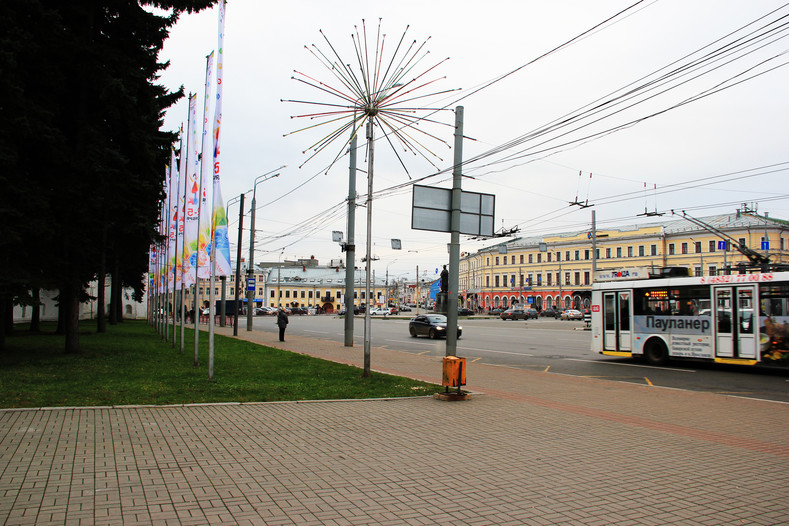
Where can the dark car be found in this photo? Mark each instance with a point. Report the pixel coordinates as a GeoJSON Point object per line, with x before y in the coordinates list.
{"type": "Point", "coordinates": [298, 311]}
{"type": "Point", "coordinates": [513, 314]}
{"type": "Point", "coordinates": [531, 314]}
{"type": "Point", "coordinates": [495, 312]}
{"type": "Point", "coordinates": [462, 311]}
{"type": "Point", "coordinates": [550, 313]}
{"type": "Point", "coordinates": [431, 325]}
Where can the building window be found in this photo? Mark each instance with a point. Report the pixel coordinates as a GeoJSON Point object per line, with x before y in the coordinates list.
{"type": "Point", "coordinates": [619, 252]}
{"type": "Point", "coordinates": [497, 260]}
{"type": "Point", "coordinates": [539, 257]}
{"type": "Point", "coordinates": [287, 293]}
{"type": "Point", "coordinates": [567, 278]}
{"type": "Point", "coordinates": [641, 251]}
{"type": "Point", "coordinates": [487, 281]}
{"type": "Point", "coordinates": [302, 294]}
{"type": "Point", "coordinates": [496, 280]}
{"type": "Point", "coordinates": [587, 279]}
{"type": "Point", "coordinates": [742, 242]}
{"type": "Point", "coordinates": [521, 285]}
{"type": "Point", "coordinates": [577, 278]}
{"type": "Point", "coordinates": [712, 249]}
{"type": "Point", "coordinates": [521, 259]}
{"type": "Point", "coordinates": [487, 262]}
{"type": "Point", "coordinates": [272, 293]}
{"type": "Point", "coordinates": [567, 255]}
{"type": "Point", "coordinates": [539, 279]}
{"type": "Point", "coordinates": [577, 254]}
{"type": "Point", "coordinates": [671, 249]}
{"type": "Point", "coordinates": [597, 253]}
{"type": "Point", "coordinates": [630, 252]}
{"type": "Point", "coordinates": [512, 280]}
{"type": "Point", "coordinates": [712, 270]}
{"type": "Point", "coordinates": [548, 277]}
{"type": "Point", "coordinates": [530, 258]}
{"type": "Point", "coordinates": [608, 253]}
{"type": "Point", "coordinates": [586, 255]}
{"type": "Point", "coordinates": [697, 270]}
{"type": "Point", "coordinates": [558, 256]}
{"type": "Point", "coordinates": [684, 248]}
{"type": "Point", "coordinates": [697, 247]}
{"type": "Point", "coordinates": [512, 260]}
{"type": "Point", "coordinates": [654, 250]}
{"type": "Point", "coordinates": [549, 256]}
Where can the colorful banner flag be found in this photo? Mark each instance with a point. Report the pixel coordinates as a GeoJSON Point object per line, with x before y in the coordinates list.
{"type": "Point", "coordinates": [191, 198]}
{"type": "Point", "coordinates": [206, 168]}
{"type": "Point", "coordinates": [221, 248]}
{"type": "Point", "coordinates": [178, 215]}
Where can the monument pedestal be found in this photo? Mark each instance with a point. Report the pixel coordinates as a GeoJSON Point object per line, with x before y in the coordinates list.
{"type": "Point", "coordinates": [441, 302]}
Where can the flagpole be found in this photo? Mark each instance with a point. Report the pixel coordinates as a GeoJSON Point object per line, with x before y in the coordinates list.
{"type": "Point", "coordinates": [184, 170]}
{"type": "Point", "coordinates": [216, 196]}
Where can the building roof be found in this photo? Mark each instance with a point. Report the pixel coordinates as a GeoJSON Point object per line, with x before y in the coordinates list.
{"type": "Point", "coordinates": [680, 225]}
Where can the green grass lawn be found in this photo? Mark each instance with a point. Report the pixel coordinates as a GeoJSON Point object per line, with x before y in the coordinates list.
{"type": "Point", "coordinates": [130, 364]}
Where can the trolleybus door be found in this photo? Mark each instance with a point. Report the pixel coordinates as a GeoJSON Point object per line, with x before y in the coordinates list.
{"type": "Point", "coordinates": [616, 321]}
{"type": "Point", "coordinates": [735, 332]}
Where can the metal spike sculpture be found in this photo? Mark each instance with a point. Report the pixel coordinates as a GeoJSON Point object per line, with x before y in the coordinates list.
{"type": "Point", "coordinates": [375, 91]}
{"type": "Point", "coordinates": [378, 88]}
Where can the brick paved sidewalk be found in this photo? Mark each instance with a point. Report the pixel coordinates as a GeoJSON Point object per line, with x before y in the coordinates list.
{"type": "Point", "coordinates": [533, 448]}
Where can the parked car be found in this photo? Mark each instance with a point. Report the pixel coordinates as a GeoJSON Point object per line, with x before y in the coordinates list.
{"type": "Point", "coordinates": [531, 314]}
{"type": "Point", "coordinates": [298, 310]}
{"type": "Point", "coordinates": [495, 312]}
{"type": "Point", "coordinates": [550, 313]}
{"type": "Point", "coordinates": [513, 314]}
{"type": "Point", "coordinates": [405, 308]}
{"type": "Point", "coordinates": [462, 311]}
{"type": "Point", "coordinates": [379, 311]}
{"type": "Point", "coordinates": [572, 314]}
{"type": "Point", "coordinates": [431, 325]}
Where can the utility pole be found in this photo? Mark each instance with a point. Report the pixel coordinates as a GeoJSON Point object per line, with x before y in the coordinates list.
{"type": "Point", "coordinates": [238, 263]}
{"type": "Point", "coordinates": [454, 243]}
{"type": "Point", "coordinates": [350, 247]}
{"type": "Point", "coordinates": [367, 322]}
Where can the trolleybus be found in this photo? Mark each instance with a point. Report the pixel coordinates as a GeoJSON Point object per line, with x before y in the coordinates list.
{"type": "Point", "coordinates": [738, 318]}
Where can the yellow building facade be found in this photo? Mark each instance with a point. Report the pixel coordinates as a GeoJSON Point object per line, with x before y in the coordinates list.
{"type": "Point", "coordinates": [557, 270]}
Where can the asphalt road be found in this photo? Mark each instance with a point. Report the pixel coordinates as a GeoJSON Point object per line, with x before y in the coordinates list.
{"type": "Point", "coordinates": [553, 346]}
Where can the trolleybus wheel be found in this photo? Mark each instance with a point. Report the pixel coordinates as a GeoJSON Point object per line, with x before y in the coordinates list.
{"type": "Point", "coordinates": [655, 352]}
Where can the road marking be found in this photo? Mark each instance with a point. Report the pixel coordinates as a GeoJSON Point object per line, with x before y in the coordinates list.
{"type": "Point", "coordinates": [421, 353]}
{"type": "Point", "coordinates": [476, 359]}
{"type": "Point", "coordinates": [632, 365]}
{"type": "Point", "coordinates": [648, 382]}
{"type": "Point", "coordinates": [496, 352]}
{"type": "Point", "coordinates": [546, 369]}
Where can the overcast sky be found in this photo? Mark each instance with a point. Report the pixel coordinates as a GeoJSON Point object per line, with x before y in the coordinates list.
{"type": "Point", "coordinates": [681, 157]}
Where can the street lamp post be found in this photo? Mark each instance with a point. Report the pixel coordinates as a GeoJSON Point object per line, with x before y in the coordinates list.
{"type": "Point", "coordinates": [251, 267]}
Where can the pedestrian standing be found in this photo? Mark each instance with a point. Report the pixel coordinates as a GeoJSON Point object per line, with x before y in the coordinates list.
{"type": "Point", "coordinates": [282, 322]}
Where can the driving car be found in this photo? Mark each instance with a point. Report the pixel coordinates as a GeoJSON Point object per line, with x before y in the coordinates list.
{"type": "Point", "coordinates": [550, 313]}
{"type": "Point", "coordinates": [572, 314]}
{"type": "Point", "coordinates": [513, 314]}
{"type": "Point", "coordinates": [462, 311]}
{"type": "Point", "coordinates": [495, 312]}
{"type": "Point", "coordinates": [379, 311]}
{"type": "Point", "coordinates": [431, 325]}
{"type": "Point", "coordinates": [405, 308]}
{"type": "Point", "coordinates": [531, 314]}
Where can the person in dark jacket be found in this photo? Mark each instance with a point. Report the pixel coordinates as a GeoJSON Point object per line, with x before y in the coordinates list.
{"type": "Point", "coordinates": [282, 322]}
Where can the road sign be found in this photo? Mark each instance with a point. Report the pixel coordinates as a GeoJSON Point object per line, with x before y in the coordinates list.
{"type": "Point", "coordinates": [251, 284]}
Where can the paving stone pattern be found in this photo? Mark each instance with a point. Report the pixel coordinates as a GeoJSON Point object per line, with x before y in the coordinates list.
{"type": "Point", "coordinates": [527, 449]}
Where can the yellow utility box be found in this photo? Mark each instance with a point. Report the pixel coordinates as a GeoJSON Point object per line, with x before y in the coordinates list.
{"type": "Point", "coordinates": [454, 372]}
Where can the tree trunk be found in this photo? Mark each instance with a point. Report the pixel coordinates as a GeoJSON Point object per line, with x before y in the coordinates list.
{"type": "Point", "coordinates": [101, 319]}
{"type": "Point", "coordinates": [2, 321]}
{"type": "Point", "coordinates": [114, 279]}
{"type": "Point", "coordinates": [35, 315]}
{"type": "Point", "coordinates": [61, 328]}
{"type": "Point", "coordinates": [70, 304]}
